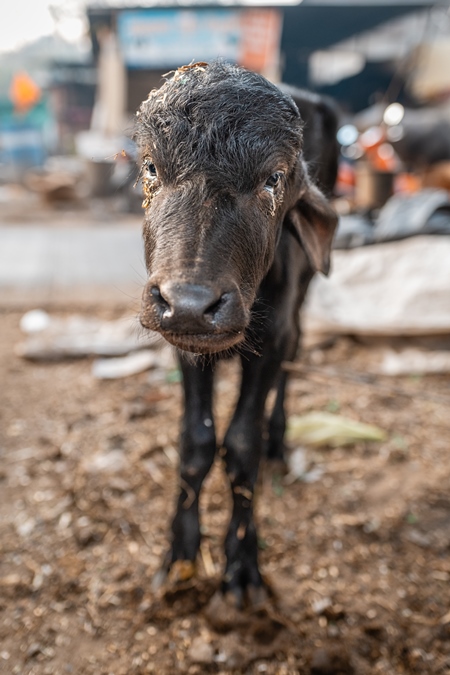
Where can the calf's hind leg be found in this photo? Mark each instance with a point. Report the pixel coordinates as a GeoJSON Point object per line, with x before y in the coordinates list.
{"type": "Point", "coordinates": [277, 419]}
{"type": "Point", "coordinates": [277, 422]}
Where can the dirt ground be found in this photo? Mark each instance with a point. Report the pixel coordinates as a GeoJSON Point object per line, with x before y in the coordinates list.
{"type": "Point", "coordinates": [358, 559]}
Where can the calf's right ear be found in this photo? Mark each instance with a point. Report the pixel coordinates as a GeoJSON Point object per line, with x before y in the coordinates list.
{"type": "Point", "coordinates": [313, 222]}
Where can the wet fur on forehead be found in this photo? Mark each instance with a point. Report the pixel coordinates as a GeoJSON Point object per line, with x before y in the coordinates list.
{"type": "Point", "coordinates": [222, 120]}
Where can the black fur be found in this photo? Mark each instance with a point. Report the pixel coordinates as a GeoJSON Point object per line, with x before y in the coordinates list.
{"type": "Point", "coordinates": [234, 230]}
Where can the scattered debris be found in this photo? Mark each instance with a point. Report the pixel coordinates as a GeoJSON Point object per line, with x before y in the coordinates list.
{"type": "Point", "coordinates": [88, 478]}
{"type": "Point", "coordinates": [53, 186]}
{"type": "Point", "coordinates": [200, 651]}
{"type": "Point", "coordinates": [136, 362]}
{"type": "Point", "coordinates": [300, 468]}
{"type": "Point", "coordinates": [331, 661]}
{"type": "Point", "coordinates": [113, 461]}
{"type": "Point", "coordinates": [77, 336]}
{"type": "Point", "coordinates": [322, 428]}
{"type": "Point", "coordinates": [366, 379]}
{"type": "Point", "coordinates": [415, 362]}
{"type": "Point", "coordinates": [35, 321]}
{"type": "Point", "coordinates": [413, 273]}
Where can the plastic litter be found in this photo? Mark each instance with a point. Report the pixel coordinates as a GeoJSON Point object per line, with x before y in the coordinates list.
{"type": "Point", "coordinates": [50, 338]}
{"type": "Point", "coordinates": [114, 461]}
{"type": "Point", "coordinates": [299, 465]}
{"type": "Point", "coordinates": [35, 321]}
{"type": "Point", "coordinates": [394, 288]}
{"type": "Point", "coordinates": [322, 428]}
{"type": "Point", "coordinates": [136, 362]}
{"type": "Point", "coordinates": [415, 362]}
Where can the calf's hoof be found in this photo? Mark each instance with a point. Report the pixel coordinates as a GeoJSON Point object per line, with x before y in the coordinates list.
{"type": "Point", "coordinates": [227, 611]}
{"type": "Point", "coordinates": [245, 588]}
{"type": "Point", "coordinates": [180, 571]}
{"type": "Point", "coordinates": [275, 451]}
{"type": "Point", "coordinates": [173, 574]}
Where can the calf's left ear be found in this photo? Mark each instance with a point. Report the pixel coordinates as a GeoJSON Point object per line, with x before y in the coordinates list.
{"type": "Point", "coordinates": [313, 222]}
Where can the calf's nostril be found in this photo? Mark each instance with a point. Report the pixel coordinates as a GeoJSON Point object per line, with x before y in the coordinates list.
{"type": "Point", "coordinates": [159, 298]}
{"type": "Point", "coordinates": [213, 308]}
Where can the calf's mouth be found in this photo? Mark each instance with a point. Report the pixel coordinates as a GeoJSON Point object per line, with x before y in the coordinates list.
{"type": "Point", "coordinates": [204, 343]}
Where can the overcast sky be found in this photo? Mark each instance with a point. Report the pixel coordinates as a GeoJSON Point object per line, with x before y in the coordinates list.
{"type": "Point", "coordinates": [23, 21]}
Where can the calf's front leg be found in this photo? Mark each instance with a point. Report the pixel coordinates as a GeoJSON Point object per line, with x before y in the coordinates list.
{"type": "Point", "coordinates": [197, 451]}
{"type": "Point", "coordinates": [242, 453]}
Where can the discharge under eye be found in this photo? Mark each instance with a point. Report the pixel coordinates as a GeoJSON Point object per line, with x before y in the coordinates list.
{"type": "Point", "coordinates": [273, 182]}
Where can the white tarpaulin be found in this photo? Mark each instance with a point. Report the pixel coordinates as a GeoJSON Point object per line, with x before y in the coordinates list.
{"type": "Point", "coordinates": [395, 288]}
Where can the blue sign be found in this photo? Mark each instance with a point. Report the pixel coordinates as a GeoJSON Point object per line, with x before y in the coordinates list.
{"type": "Point", "coordinates": [165, 38]}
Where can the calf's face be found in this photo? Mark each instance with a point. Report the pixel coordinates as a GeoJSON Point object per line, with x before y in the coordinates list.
{"type": "Point", "coordinates": [221, 169]}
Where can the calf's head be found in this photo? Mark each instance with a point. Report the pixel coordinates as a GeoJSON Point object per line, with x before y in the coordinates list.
{"type": "Point", "coordinates": [222, 170]}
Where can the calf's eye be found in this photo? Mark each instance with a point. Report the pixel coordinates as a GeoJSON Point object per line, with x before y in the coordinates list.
{"type": "Point", "coordinates": [150, 170]}
{"type": "Point", "coordinates": [273, 182]}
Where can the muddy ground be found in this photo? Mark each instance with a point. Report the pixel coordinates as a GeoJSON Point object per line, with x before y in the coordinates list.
{"type": "Point", "coordinates": [359, 559]}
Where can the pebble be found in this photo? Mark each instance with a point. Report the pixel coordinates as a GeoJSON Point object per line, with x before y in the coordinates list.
{"type": "Point", "coordinates": [200, 651]}
{"type": "Point", "coordinates": [331, 661]}
{"type": "Point", "coordinates": [34, 649]}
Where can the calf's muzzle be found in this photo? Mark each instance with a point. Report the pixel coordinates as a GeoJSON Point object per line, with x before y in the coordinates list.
{"type": "Point", "coordinates": [196, 317]}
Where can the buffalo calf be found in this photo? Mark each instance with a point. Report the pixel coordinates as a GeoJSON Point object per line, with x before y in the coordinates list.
{"type": "Point", "coordinates": [234, 230]}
